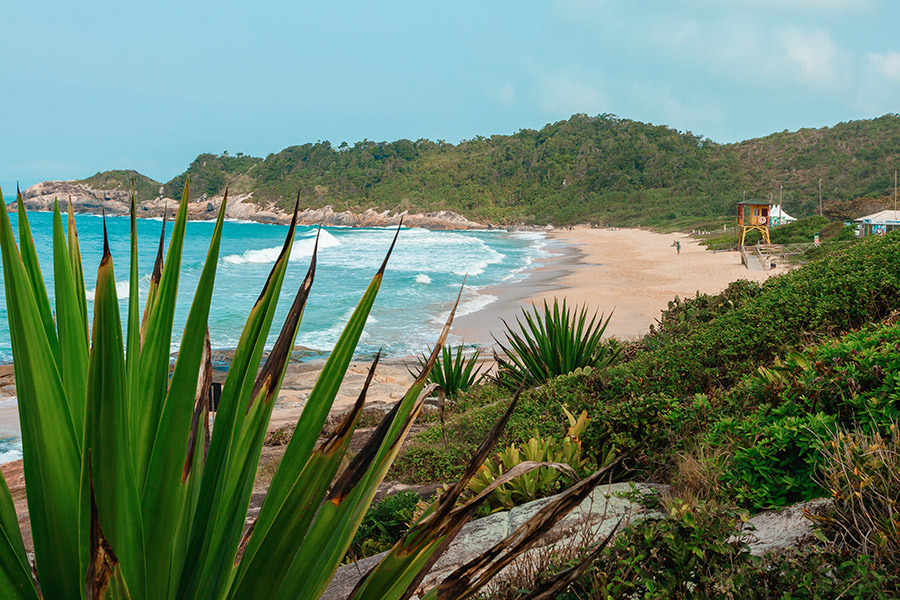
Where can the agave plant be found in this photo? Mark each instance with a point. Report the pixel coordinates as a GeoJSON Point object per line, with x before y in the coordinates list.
{"type": "Point", "coordinates": [554, 342]}
{"type": "Point", "coordinates": [129, 494]}
{"type": "Point", "coordinates": [453, 372]}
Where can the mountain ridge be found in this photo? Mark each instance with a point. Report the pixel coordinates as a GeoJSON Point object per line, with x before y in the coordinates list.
{"type": "Point", "coordinates": [601, 169]}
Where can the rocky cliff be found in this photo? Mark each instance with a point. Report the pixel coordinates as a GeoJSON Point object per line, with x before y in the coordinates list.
{"type": "Point", "coordinates": [86, 199]}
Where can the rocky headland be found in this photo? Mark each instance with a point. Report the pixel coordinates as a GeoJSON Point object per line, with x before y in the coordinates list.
{"type": "Point", "coordinates": [85, 199]}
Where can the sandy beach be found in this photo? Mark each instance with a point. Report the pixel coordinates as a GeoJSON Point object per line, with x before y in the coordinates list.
{"type": "Point", "coordinates": [633, 272]}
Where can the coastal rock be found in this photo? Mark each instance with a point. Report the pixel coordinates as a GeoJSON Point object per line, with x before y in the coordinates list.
{"type": "Point", "coordinates": [85, 199]}
{"type": "Point", "coordinates": [782, 529]}
{"type": "Point", "coordinates": [592, 519]}
{"type": "Point", "coordinates": [15, 479]}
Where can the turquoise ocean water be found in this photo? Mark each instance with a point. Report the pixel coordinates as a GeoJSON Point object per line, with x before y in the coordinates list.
{"type": "Point", "coordinates": [421, 282]}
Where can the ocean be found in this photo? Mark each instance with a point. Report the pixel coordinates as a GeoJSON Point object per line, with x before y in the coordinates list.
{"type": "Point", "coordinates": [420, 285]}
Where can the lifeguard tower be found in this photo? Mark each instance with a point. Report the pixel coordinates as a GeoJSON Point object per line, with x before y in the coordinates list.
{"type": "Point", "coordinates": [753, 214]}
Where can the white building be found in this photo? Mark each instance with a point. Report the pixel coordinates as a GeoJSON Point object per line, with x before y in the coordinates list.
{"type": "Point", "coordinates": [879, 223]}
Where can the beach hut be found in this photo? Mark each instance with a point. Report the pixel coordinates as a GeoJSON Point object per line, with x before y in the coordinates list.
{"type": "Point", "coordinates": [879, 223]}
{"type": "Point", "coordinates": [753, 214]}
{"type": "Point", "coordinates": [777, 216]}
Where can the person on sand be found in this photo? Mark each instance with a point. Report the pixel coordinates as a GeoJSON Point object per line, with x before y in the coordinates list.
{"type": "Point", "coordinates": [678, 247]}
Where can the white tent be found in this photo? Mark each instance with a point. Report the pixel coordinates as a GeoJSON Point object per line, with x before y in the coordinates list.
{"type": "Point", "coordinates": [879, 223]}
{"type": "Point", "coordinates": [778, 217]}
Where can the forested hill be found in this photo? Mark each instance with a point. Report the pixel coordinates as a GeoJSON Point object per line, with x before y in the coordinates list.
{"type": "Point", "coordinates": [603, 169]}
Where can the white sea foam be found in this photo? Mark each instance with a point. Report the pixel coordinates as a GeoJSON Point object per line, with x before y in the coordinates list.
{"type": "Point", "coordinates": [10, 443]}
{"type": "Point", "coordinates": [443, 252]}
{"type": "Point", "coordinates": [302, 248]}
{"type": "Point", "coordinates": [471, 302]}
{"type": "Point", "coordinates": [10, 450]}
{"type": "Point", "coordinates": [423, 279]}
{"type": "Point", "coordinates": [123, 290]}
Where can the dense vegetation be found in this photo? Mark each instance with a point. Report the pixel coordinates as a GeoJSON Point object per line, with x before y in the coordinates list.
{"type": "Point", "coordinates": [603, 169]}
{"type": "Point", "coordinates": [757, 397]}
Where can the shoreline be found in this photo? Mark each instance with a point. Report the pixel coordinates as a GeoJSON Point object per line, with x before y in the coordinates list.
{"type": "Point", "coordinates": [633, 273]}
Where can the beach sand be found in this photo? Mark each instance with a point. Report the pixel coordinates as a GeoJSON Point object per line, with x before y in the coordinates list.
{"type": "Point", "coordinates": [632, 272]}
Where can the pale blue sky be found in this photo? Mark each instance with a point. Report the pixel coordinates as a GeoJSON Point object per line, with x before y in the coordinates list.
{"type": "Point", "coordinates": [112, 85]}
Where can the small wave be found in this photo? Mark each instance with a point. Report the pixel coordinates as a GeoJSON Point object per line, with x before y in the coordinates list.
{"type": "Point", "coordinates": [468, 304]}
{"type": "Point", "coordinates": [123, 289]}
{"type": "Point", "coordinates": [247, 221]}
{"type": "Point", "coordinates": [423, 279]}
{"type": "Point", "coordinates": [302, 248]}
{"type": "Point", "coordinates": [10, 449]}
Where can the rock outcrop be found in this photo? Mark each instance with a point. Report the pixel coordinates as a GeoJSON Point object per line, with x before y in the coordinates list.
{"type": "Point", "coordinates": [85, 199]}
{"type": "Point", "coordinates": [594, 519]}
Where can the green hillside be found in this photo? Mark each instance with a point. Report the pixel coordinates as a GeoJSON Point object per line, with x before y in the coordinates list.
{"type": "Point", "coordinates": [603, 169]}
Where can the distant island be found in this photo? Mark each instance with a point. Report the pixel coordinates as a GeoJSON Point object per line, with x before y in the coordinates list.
{"type": "Point", "coordinates": [601, 169]}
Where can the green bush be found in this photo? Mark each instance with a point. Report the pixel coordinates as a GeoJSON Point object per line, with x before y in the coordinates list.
{"type": "Point", "coordinates": [544, 481]}
{"type": "Point", "coordinates": [385, 522]}
{"type": "Point", "coordinates": [857, 286]}
{"type": "Point", "coordinates": [694, 552]}
{"type": "Point", "coordinates": [814, 573]}
{"type": "Point", "coordinates": [777, 458]}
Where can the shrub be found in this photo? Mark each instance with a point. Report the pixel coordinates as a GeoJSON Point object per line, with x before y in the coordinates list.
{"type": "Point", "coordinates": [551, 343]}
{"type": "Point", "coordinates": [385, 522]}
{"type": "Point", "coordinates": [540, 482]}
{"type": "Point", "coordinates": [694, 552]}
{"type": "Point", "coordinates": [777, 455]}
{"type": "Point", "coordinates": [862, 472]}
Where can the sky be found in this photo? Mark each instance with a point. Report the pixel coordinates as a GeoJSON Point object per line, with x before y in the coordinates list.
{"type": "Point", "coordinates": [91, 86]}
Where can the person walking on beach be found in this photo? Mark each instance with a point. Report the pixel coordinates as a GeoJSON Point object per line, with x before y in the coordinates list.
{"type": "Point", "coordinates": [677, 247]}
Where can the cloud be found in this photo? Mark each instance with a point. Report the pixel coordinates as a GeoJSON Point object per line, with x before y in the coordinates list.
{"type": "Point", "coordinates": [566, 92]}
{"type": "Point", "coordinates": [880, 83]}
{"type": "Point", "coordinates": [886, 66]}
{"type": "Point", "coordinates": [830, 5]}
{"type": "Point", "coordinates": [811, 57]}
{"type": "Point", "coordinates": [754, 53]}
{"type": "Point", "coordinates": [505, 94]}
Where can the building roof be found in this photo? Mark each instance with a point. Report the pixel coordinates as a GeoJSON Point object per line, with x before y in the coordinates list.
{"type": "Point", "coordinates": [885, 217]}
{"type": "Point", "coordinates": [755, 202]}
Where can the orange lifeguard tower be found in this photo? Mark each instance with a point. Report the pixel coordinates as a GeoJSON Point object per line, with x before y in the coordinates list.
{"type": "Point", "coordinates": [753, 214]}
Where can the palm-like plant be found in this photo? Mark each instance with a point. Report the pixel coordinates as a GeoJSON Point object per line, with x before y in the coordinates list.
{"type": "Point", "coordinates": [131, 497]}
{"type": "Point", "coordinates": [554, 342]}
{"type": "Point", "coordinates": [453, 372]}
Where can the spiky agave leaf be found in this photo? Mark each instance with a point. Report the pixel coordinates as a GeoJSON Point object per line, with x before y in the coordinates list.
{"type": "Point", "coordinates": [15, 573]}
{"type": "Point", "coordinates": [550, 343]}
{"type": "Point", "coordinates": [108, 450]}
{"type": "Point", "coordinates": [50, 450]}
{"type": "Point", "coordinates": [72, 329]}
{"type": "Point", "coordinates": [227, 479]}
